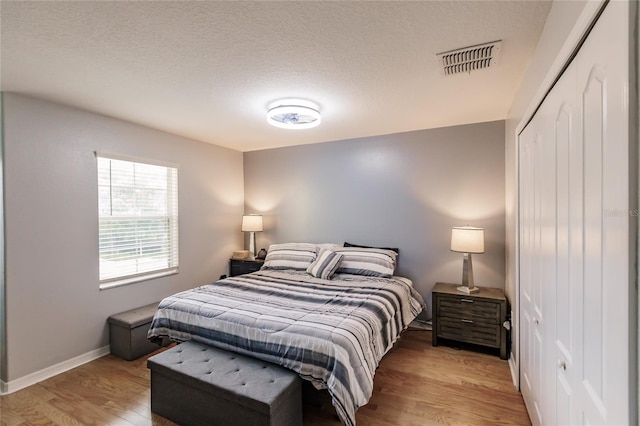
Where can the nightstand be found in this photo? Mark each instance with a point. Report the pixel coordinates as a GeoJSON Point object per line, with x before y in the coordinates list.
{"type": "Point", "coordinates": [470, 318]}
{"type": "Point", "coordinates": [240, 267]}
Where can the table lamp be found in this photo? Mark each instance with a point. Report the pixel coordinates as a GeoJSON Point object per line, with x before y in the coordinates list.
{"type": "Point", "coordinates": [252, 223]}
{"type": "Point", "coordinates": [467, 240]}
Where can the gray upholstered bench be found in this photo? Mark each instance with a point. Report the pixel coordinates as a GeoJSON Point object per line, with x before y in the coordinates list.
{"type": "Point", "coordinates": [128, 332]}
{"type": "Point", "coordinates": [196, 384]}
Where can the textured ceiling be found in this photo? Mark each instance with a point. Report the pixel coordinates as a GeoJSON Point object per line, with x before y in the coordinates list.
{"type": "Point", "coordinates": [208, 70]}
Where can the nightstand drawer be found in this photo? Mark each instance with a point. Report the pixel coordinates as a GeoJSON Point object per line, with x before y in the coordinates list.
{"type": "Point", "coordinates": [462, 307]}
{"type": "Point", "coordinates": [469, 331]}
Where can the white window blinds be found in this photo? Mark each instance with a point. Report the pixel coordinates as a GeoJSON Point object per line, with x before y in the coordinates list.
{"type": "Point", "coordinates": [138, 221]}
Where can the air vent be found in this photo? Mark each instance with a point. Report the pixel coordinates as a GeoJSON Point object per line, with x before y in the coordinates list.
{"type": "Point", "coordinates": [470, 58]}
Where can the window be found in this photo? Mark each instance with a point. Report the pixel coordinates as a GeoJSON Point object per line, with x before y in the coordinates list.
{"type": "Point", "coordinates": [138, 221]}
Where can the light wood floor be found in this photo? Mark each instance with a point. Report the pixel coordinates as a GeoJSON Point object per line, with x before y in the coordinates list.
{"type": "Point", "coordinates": [416, 384]}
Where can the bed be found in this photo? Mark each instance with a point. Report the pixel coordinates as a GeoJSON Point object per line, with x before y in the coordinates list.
{"type": "Point", "coordinates": [333, 331]}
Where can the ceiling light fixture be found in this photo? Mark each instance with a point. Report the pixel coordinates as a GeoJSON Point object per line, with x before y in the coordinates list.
{"type": "Point", "coordinates": [293, 114]}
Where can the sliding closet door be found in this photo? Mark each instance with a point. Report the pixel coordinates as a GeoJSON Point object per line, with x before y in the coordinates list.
{"type": "Point", "coordinates": [568, 278]}
{"type": "Point", "coordinates": [538, 266]}
{"type": "Point", "coordinates": [574, 238]}
{"type": "Point", "coordinates": [602, 83]}
{"type": "Point", "coordinates": [531, 290]}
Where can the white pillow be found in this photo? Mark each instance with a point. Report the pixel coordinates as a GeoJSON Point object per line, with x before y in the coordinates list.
{"type": "Point", "coordinates": [330, 246]}
{"type": "Point", "coordinates": [296, 256]}
{"type": "Point", "coordinates": [325, 265]}
{"type": "Point", "coordinates": [367, 261]}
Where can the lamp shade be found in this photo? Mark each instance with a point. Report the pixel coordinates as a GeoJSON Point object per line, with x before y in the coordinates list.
{"type": "Point", "coordinates": [252, 223]}
{"type": "Point", "coordinates": [467, 239]}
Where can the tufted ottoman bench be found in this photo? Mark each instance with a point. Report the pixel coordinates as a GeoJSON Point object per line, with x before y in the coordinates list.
{"type": "Point", "coordinates": [196, 384]}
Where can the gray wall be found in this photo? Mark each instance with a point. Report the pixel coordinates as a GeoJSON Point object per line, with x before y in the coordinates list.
{"type": "Point", "coordinates": [54, 308]}
{"type": "Point", "coordinates": [404, 190]}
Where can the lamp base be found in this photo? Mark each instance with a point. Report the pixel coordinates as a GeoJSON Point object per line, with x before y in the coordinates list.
{"type": "Point", "coordinates": [252, 245]}
{"type": "Point", "coordinates": [468, 290]}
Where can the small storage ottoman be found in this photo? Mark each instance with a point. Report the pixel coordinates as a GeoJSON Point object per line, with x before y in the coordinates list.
{"type": "Point", "coordinates": [128, 332]}
{"type": "Point", "coordinates": [194, 384]}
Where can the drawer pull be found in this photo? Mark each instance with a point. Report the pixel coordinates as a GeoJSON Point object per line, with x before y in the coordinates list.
{"type": "Point", "coordinates": [466, 300]}
{"type": "Point", "coordinates": [467, 321]}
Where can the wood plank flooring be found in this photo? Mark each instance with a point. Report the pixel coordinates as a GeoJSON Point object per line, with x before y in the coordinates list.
{"type": "Point", "coordinates": [416, 384]}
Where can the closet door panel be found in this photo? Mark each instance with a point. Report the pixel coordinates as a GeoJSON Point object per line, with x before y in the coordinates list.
{"type": "Point", "coordinates": [570, 351]}
{"type": "Point", "coordinates": [567, 161]}
{"type": "Point", "coordinates": [525, 267]}
{"type": "Point", "coordinates": [546, 222]}
{"type": "Point", "coordinates": [530, 358]}
{"type": "Point", "coordinates": [535, 307]}
{"type": "Point", "coordinates": [592, 309]}
{"type": "Point", "coordinates": [603, 87]}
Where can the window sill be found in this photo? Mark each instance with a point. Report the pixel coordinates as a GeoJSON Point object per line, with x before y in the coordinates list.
{"type": "Point", "coordinates": [136, 279]}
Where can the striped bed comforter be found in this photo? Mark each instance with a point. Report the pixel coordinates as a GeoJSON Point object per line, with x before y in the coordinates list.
{"type": "Point", "coordinates": [331, 332]}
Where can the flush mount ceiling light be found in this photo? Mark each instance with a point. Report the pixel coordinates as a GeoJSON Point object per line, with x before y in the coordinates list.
{"type": "Point", "coordinates": [293, 114]}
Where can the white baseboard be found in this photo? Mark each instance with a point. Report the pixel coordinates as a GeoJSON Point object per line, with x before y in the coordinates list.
{"type": "Point", "coordinates": [38, 376]}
